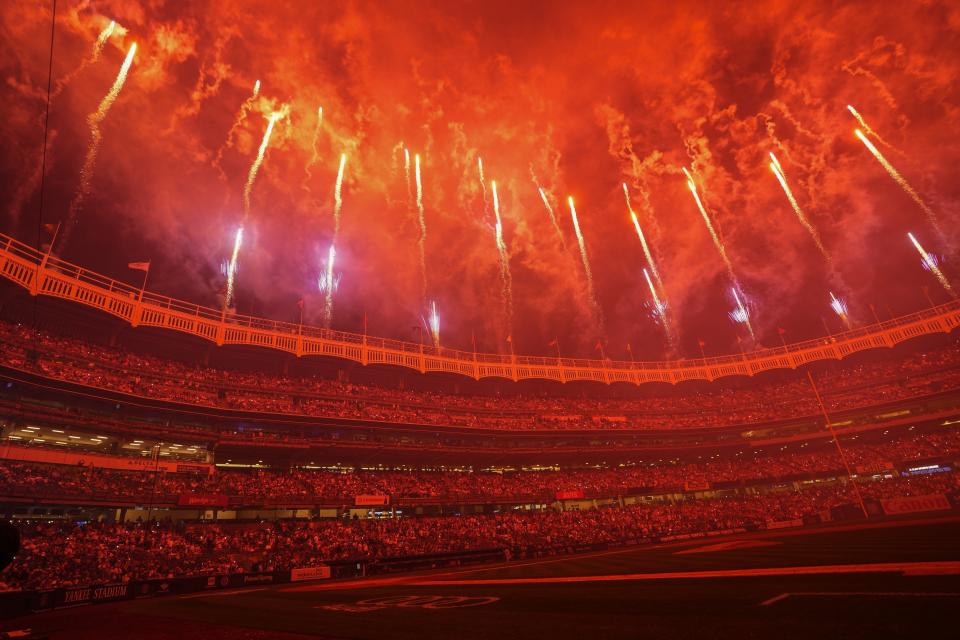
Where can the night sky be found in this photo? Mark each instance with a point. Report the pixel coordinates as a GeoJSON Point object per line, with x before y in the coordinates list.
{"type": "Point", "coordinates": [579, 96]}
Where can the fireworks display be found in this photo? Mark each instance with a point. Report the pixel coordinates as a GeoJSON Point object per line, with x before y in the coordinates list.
{"type": "Point", "coordinates": [553, 216]}
{"type": "Point", "coordinates": [483, 184]}
{"type": "Point", "coordinates": [255, 167]}
{"type": "Point", "coordinates": [660, 308]}
{"type": "Point", "coordinates": [643, 240]}
{"type": "Point", "coordinates": [930, 261]}
{"type": "Point", "coordinates": [184, 167]}
{"type": "Point", "coordinates": [840, 308]}
{"type": "Point", "coordinates": [328, 280]}
{"type": "Point", "coordinates": [587, 271]}
{"type": "Point", "coordinates": [782, 178]}
{"type": "Point", "coordinates": [237, 123]}
{"type": "Point", "coordinates": [706, 219]}
{"type": "Point", "coordinates": [900, 180]}
{"type": "Point", "coordinates": [329, 287]}
{"type": "Point", "coordinates": [90, 161]}
{"type": "Point", "coordinates": [232, 268]}
{"type": "Point", "coordinates": [866, 127]}
{"type": "Point", "coordinates": [314, 153]}
{"type": "Point", "coordinates": [422, 240]}
{"type": "Point", "coordinates": [505, 276]}
{"type": "Point", "coordinates": [409, 183]}
{"type": "Point", "coordinates": [740, 313]}
{"type": "Point", "coordinates": [247, 191]}
{"type": "Point", "coordinates": [331, 283]}
{"type": "Point", "coordinates": [434, 324]}
{"type": "Point", "coordinates": [102, 40]}
{"type": "Point", "coordinates": [96, 51]}
{"type": "Point", "coordinates": [932, 266]}
{"type": "Point", "coordinates": [338, 196]}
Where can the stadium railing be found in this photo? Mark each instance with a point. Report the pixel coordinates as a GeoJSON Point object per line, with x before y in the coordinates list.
{"type": "Point", "coordinates": [45, 274]}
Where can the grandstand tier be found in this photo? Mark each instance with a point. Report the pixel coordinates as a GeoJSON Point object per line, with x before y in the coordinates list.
{"type": "Point", "coordinates": [167, 461]}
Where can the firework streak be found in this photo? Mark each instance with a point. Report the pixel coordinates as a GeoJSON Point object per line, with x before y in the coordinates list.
{"type": "Point", "coordinates": [553, 217]}
{"type": "Point", "coordinates": [314, 156]}
{"type": "Point", "coordinates": [102, 40]}
{"type": "Point", "coordinates": [782, 178]}
{"type": "Point", "coordinates": [591, 292]}
{"type": "Point", "coordinates": [643, 240]}
{"type": "Point", "coordinates": [89, 164]}
{"type": "Point", "coordinates": [435, 324]}
{"type": "Point", "coordinates": [483, 184]}
{"type": "Point", "coordinates": [840, 308]}
{"type": "Point", "coordinates": [743, 315]}
{"type": "Point", "coordinates": [504, 260]}
{"type": "Point", "coordinates": [338, 197]}
{"type": "Point", "coordinates": [328, 281]}
{"type": "Point", "coordinates": [706, 219]}
{"type": "Point", "coordinates": [932, 266]}
{"type": "Point", "coordinates": [247, 191]}
{"type": "Point", "coordinates": [866, 127]}
{"type": "Point", "coordinates": [406, 170]}
{"type": "Point", "coordinates": [931, 216]}
{"type": "Point", "coordinates": [241, 116]}
{"type": "Point", "coordinates": [232, 267]}
{"type": "Point", "coordinates": [95, 53]}
{"type": "Point", "coordinates": [255, 167]}
{"type": "Point", "coordinates": [337, 207]}
{"type": "Point", "coordinates": [659, 308]}
{"type": "Point", "coordinates": [422, 241]}
{"type": "Point", "coordinates": [328, 300]}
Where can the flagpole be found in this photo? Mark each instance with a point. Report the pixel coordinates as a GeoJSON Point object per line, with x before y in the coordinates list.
{"type": "Point", "coordinates": [365, 352]}
{"type": "Point", "coordinates": [143, 287]}
{"type": "Point", "coordinates": [473, 341]}
{"type": "Point", "coordinates": [702, 354]}
{"type": "Point", "coordinates": [53, 241]}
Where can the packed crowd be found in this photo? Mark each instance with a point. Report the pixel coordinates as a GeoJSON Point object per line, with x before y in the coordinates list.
{"type": "Point", "coordinates": [317, 486]}
{"type": "Point", "coordinates": [65, 553]}
{"type": "Point", "coordinates": [845, 387]}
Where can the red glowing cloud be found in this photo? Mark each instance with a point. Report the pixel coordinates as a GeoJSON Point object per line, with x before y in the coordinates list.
{"type": "Point", "coordinates": [570, 97]}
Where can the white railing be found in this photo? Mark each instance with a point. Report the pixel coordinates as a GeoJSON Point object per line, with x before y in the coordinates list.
{"type": "Point", "coordinates": [47, 275]}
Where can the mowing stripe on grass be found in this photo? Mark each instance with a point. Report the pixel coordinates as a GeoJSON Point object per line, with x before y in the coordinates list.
{"type": "Point", "coordinates": [943, 568]}
{"type": "Point", "coordinates": [869, 594]}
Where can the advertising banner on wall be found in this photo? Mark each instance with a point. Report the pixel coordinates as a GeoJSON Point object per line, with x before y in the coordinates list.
{"type": "Point", "coordinates": [202, 500]}
{"type": "Point", "coordinates": [319, 572]}
{"type": "Point", "coordinates": [915, 504]}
